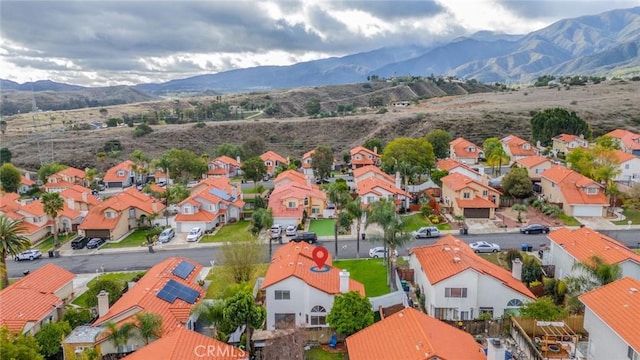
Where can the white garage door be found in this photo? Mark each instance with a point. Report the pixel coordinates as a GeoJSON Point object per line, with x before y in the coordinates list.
{"type": "Point", "coordinates": [587, 211]}
{"type": "Point", "coordinates": [186, 226]}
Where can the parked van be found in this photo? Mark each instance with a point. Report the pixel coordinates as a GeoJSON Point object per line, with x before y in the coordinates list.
{"type": "Point", "coordinates": [79, 242]}
{"type": "Point", "coordinates": [309, 237]}
{"type": "Point", "coordinates": [427, 232]}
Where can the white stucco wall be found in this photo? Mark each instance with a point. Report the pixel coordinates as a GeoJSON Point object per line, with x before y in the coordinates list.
{"type": "Point", "coordinates": [561, 259]}
{"type": "Point", "coordinates": [604, 344]}
{"type": "Point", "coordinates": [460, 170]}
{"type": "Point", "coordinates": [631, 269]}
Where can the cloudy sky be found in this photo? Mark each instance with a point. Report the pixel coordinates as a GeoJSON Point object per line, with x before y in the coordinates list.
{"type": "Point", "coordinates": [100, 43]}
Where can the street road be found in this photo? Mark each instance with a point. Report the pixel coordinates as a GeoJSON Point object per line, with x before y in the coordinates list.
{"type": "Point", "coordinates": [141, 260]}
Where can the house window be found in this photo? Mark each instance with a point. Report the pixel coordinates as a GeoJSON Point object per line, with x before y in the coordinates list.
{"type": "Point", "coordinates": [553, 185]}
{"type": "Point", "coordinates": [187, 210]}
{"type": "Point", "coordinates": [538, 171]}
{"type": "Point", "coordinates": [455, 292]}
{"type": "Point", "coordinates": [315, 210]}
{"type": "Point", "coordinates": [485, 193]}
{"type": "Point", "coordinates": [440, 313]}
{"type": "Point", "coordinates": [110, 214]}
{"type": "Point", "coordinates": [526, 146]}
{"type": "Point", "coordinates": [592, 190]}
{"type": "Point", "coordinates": [514, 303]}
{"type": "Point", "coordinates": [632, 354]}
{"type": "Point", "coordinates": [626, 166]}
{"type": "Point", "coordinates": [317, 316]}
{"type": "Point", "coordinates": [472, 149]}
{"type": "Point", "coordinates": [267, 163]}
{"type": "Point", "coordinates": [120, 173]}
{"type": "Point", "coordinates": [291, 204]}
{"type": "Point", "coordinates": [370, 199]}
{"type": "Point", "coordinates": [464, 315]}
{"type": "Point", "coordinates": [284, 321]}
{"type": "Point", "coordinates": [486, 310]}
{"type": "Point", "coordinates": [466, 195]}
{"type": "Point", "coordinates": [212, 207]}
{"type": "Point", "coordinates": [283, 295]}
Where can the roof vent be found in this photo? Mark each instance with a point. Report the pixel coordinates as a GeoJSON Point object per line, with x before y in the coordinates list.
{"type": "Point", "coordinates": [456, 249]}
{"type": "Point", "coordinates": [418, 345]}
{"type": "Point", "coordinates": [290, 264]}
{"type": "Point", "coordinates": [633, 290]}
{"type": "Point", "coordinates": [456, 259]}
{"type": "Point", "coordinates": [297, 248]}
{"type": "Point", "coordinates": [446, 249]}
{"type": "Point", "coordinates": [300, 264]}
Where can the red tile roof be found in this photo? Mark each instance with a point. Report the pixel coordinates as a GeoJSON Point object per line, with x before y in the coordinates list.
{"type": "Point", "coordinates": [583, 243]}
{"type": "Point", "coordinates": [518, 146]}
{"type": "Point", "coordinates": [572, 184]}
{"type": "Point", "coordinates": [227, 160]}
{"type": "Point", "coordinates": [624, 156]}
{"type": "Point", "coordinates": [130, 198]}
{"type": "Point", "coordinates": [296, 191]}
{"type": "Point", "coordinates": [9, 202]}
{"type": "Point", "coordinates": [270, 155]}
{"type": "Point", "coordinates": [629, 139]}
{"type": "Point", "coordinates": [359, 172]}
{"type": "Point", "coordinates": [184, 344]}
{"type": "Point", "coordinates": [531, 161]}
{"type": "Point", "coordinates": [201, 215]}
{"type": "Point", "coordinates": [33, 208]}
{"type": "Point", "coordinates": [112, 174]}
{"type": "Point", "coordinates": [450, 164]}
{"type": "Point", "coordinates": [25, 181]}
{"type": "Point", "coordinates": [375, 185]}
{"type": "Point", "coordinates": [142, 296]}
{"type": "Point", "coordinates": [461, 147]}
{"type": "Point", "coordinates": [295, 259]}
{"type": "Point", "coordinates": [457, 182]}
{"type": "Point", "coordinates": [72, 173]}
{"type": "Point", "coordinates": [412, 335]}
{"type": "Point", "coordinates": [80, 194]}
{"type": "Point", "coordinates": [475, 203]}
{"type": "Point", "coordinates": [292, 175]}
{"type": "Point", "coordinates": [449, 256]}
{"type": "Point", "coordinates": [363, 150]}
{"type": "Point", "coordinates": [616, 304]}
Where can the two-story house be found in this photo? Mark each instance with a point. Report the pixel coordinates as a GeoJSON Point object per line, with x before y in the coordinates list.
{"type": "Point", "coordinates": [213, 201]}
{"type": "Point", "coordinates": [25, 185]}
{"type": "Point", "coordinates": [361, 156]}
{"type": "Point", "coordinates": [120, 175]}
{"type": "Point", "coordinates": [576, 194]}
{"type": "Point", "coordinates": [454, 166]}
{"type": "Point", "coordinates": [535, 166]}
{"type": "Point", "coordinates": [116, 216]}
{"type": "Point", "coordinates": [290, 176]}
{"type": "Point", "coordinates": [299, 293]}
{"type": "Point", "coordinates": [224, 166]}
{"type": "Point", "coordinates": [36, 299]}
{"type": "Point", "coordinates": [464, 151]}
{"type": "Point", "coordinates": [569, 247]}
{"type": "Point", "coordinates": [629, 166]}
{"type": "Point", "coordinates": [517, 148]}
{"type": "Point", "coordinates": [629, 141]}
{"type": "Point", "coordinates": [63, 179]}
{"type": "Point", "coordinates": [609, 317]}
{"type": "Point", "coordinates": [459, 284]}
{"type": "Point", "coordinates": [168, 289]}
{"type": "Point", "coordinates": [374, 188]}
{"type": "Point", "coordinates": [416, 336]}
{"type": "Point", "coordinates": [466, 197]}
{"type": "Point", "coordinates": [307, 163]}
{"type": "Point", "coordinates": [291, 200]}
{"type": "Point", "coordinates": [272, 160]}
{"type": "Point", "coordinates": [565, 143]}
{"type": "Point", "coordinates": [34, 220]}
{"type": "Point", "coordinates": [79, 198]}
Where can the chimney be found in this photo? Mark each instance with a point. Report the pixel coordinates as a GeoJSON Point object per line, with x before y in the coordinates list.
{"type": "Point", "coordinates": [495, 349]}
{"type": "Point", "coordinates": [154, 206]}
{"type": "Point", "coordinates": [344, 281]}
{"type": "Point", "coordinates": [103, 303]}
{"type": "Point", "coordinates": [484, 179]}
{"type": "Point", "coordinates": [238, 159]}
{"type": "Point", "coordinates": [84, 197]}
{"type": "Point", "coordinates": [398, 180]}
{"type": "Point", "coordinates": [481, 170]}
{"type": "Point", "coordinates": [375, 149]}
{"type": "Point", "coordinates": [516, 269]}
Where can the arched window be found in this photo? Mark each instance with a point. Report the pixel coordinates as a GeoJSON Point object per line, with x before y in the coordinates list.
{"type": "Point", "coordinates": [318, 309]}
{"type": "Point", "coordinates": [514, 303]}
{"type": "Point", "coordinates": [317, 316]}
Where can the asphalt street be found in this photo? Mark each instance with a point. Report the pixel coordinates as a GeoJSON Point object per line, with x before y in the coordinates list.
{"type": "Point", "coordinates": [141, 260]}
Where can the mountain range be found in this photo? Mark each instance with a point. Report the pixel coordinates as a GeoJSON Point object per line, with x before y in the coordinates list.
{"type": "Point", "coordinates": [603, 44]}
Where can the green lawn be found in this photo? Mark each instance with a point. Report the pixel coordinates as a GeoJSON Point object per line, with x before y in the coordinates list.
{"type": "Point", "coordinates": [322, 227]}
{"type": "Point", "coordinates": [254, 190]}
{"type": "Point", "coordinates": [221, 280]}
{"type": "Point", "coordinates": [568, 220]}
{"type": "Point", "coordinates": [319, 353]}
{"type": "Point", "coordinates": [238, 231]}
{"type": "Point", "coordinates": [637, 251]}
{"type": "Point", "coordinates": [135, 239]}
{"type": "Point", "coordinates": [47, 244]}
{"type": "Point", "coordinates": [415, 222]}
{"type": "Point", "coordinates": [634, 216]}
{"type": "Point", "coordinates": [370, 272]}
{"type": "Point", "coordinates": [121, 277]}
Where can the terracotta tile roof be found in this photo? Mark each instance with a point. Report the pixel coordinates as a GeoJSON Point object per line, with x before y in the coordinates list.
{"type": "Point", "coordinates": [363, 161]}
{"type": "Point", "coordinates": [111, 175]}
{"type": "Point", "coordinates": [295, 259]}
{"type": "Point", "coordinates": [217, 171]}
{"type": "Point", "coordinates": [374, 185]}
{"type": "Point", "coordinates": [412, 335]}
{"type": "Point", "coordinates": [629, 139]}
{"type": "Point", "coordinates": [157, 189]}
{"type": "Point", "coordinates": [363, 150]}
{"type": "Point", "coordinates": [143, 296]}
{"type": "Point", "coordinates": [566, 138]}
{"type": "Point", "coordinates": [39, 288]}
{"type": "Point", "coordinates": [531, 161]}
{"type": "Point", "coordinates": [69, 212]}
{"type": "Point", "coordinates": [449, 256]}
{"type": "Point", "coordinates": [450, 164]}
{"type": "Point", "coordinates": [72, 173]}
{"type": "Point", "coordinates": [518, 146]}
{"type": "Point", "coordinates": [227, 160]}
{"type": "Point", "coordinates": [572, 184]}
{"type": "Point", "coordinates": [359, 172]}
{"type": "Point", "coordinates": [9, 202]}
{"type": "Point", "coordinates": [120, 202]}
{"type": "Point", "coordinates": [25, 181]}
{"type": "Point", "coordinates": [624, 156]}
{"type": "Point", "coordinates": [583, 243]}
{"type": "Point", "coordinates": [76, 192]}
{"type": "Point", "coordinates": [207, 190]}
{"type": "Point", "coordinates": [292, 175]}
{"type": "Point", "coordinates": [296, 191]}
{"type": "Point", "coordinates": [457, 182]}
{"type": "Point", "coordinates": [56, 182]}
{"type": "Point", "coordinates": [184, 344]}
{"type": "Point", "coordinates": [270, 155]}
{"type": "Point", "coordinates": [475, 203]}
{"type": "Point", "coordinates": [34, 208]}
{"type": "Point", "coordinates": [615, 304]}
{"type": "Point", "coordinates": [201, 215]}
{"type": "Point", "coordinates": [461, 147]}
{"type": "Point", "coordinates": [308, 154]}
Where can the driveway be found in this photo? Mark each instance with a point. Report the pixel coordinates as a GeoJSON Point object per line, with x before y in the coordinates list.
{"type": "Point", "coordinates": [597, 223]}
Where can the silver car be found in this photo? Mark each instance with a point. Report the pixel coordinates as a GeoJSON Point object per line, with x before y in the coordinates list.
{"type": "Point", "coordinates": [484, 247]}
{"type": "Point", "coordinates": [29, 255]}
{"type": "Point", "coordinates": [166, 235]}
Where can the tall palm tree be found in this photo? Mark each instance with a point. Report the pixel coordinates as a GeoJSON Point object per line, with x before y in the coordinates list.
{"type": "Point", "coordinates": [119, 336]}
{"type": "Point", "coordinates": [497, 157]}
{"type": "Point", "coordinates": [53, 203]}
{"type": "Point", "coordinates": [90, 175]}
{"type": "Point", "coordinates": [354, 209]}
{"type": "Point", "coordinates": [593, 273]}
{"type": "Point", "coordinates": [149, 325]}
{"type": "Point", "coordinates": [101, 157]}
{"type": "Point", "coordinates": [338, 194]}
{"type": "Point", "coordinates": [12, 243]}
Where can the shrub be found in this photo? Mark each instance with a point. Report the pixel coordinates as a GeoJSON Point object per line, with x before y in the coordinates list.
{"type": "Point", "coordinates": [382, 111]}
{"type": "Point", "coordinates": [511, 255]}
{"type": "Point", "coordinates": [142, 130]}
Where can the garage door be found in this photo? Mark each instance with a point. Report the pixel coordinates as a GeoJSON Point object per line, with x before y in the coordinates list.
{"type": "Point", "coordinates": [587, 211]}
{"type": "Point", "coordinates": [104, 234]}
{"type": "Point", "coordinates": [476, 213]}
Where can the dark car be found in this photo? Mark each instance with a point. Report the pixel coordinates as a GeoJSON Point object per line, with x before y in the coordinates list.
{"type": "Point", "coordinates": [535, 229]}
{"type": "Point", "coordinates": [309, 237]}
{"type": "Point", "coordinates": [79, 242]}
{"type": "Point", "coordinates": [95, 243]}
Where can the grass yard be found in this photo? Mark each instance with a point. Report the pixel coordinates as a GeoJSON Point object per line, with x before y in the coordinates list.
{"type": "Point", "coordinates": [370, 272]}
{"type": "Point", "coordinates": [322, 227]}
{"type": "Point", "coordinates": [120, 277]}
{"type": "Point", "coordinates": [238, 231]}
{"type": "Point", "coordinates": [415, 221]}
{"type": "Point", "coordinates": [135, 239]}
{"type": "Point", "coordinates": [319, 353]}
{"type": "Point", "coordinates": [254, 190]}
{"type": "Point", "coordinates": [47, 244]}
{"type": "Point", "coordinates": [634, 216]}
{"type": "Point", "coordinates": [221, 280]}
{"type": "Point", "coordinates": [637, 251]}
{"type": "Point", "coordinates": [568, 220]}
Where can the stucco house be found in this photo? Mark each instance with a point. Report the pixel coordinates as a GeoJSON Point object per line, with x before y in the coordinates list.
{"type": "Point", "coordinates": [459, 284]}
{"type": "Point", "coordinates": [535, 166]}
{"type": "Point", "coordinates": [465, 151]}
{"type": "Point", "coordinates": [629, 166]}
{"type": "Point", "coordinates": [25, 185]}
{"type": "Point", "coordinates": [569, 247]}
{"type": "Point", "coordinates": [374, 188]}
{"type": "Point", "coordinates": [576, 194]}
{"type": "Point", "coordinates": [293, 197]}
{"type": "Point", "coordinates": [629, 141]}
{"type": "Point", "coordinates": [565, 143]}
{"type": "Point", "coordinates": [361, 156]}
{"type": "Point", "coordinates": [454, 166]}
{"type": "Point", "coordinates": [272, 160]}
{"type": "Point", "coordinates": [224, 166]}
{"type": "Point", "coordinates": [36, 222]}
{"type": "Point", "coordinates": [307, 161]}
{"type": "Point", "coordinates": [467, 197]}
{"type": "Point", "coordinates": [289, 176]}
{"type": "Point", "coordinates": [121, 175]}
{"type": "Point", "coordinates": [609, 318]}
{"type": "Point", "coordinates": [63, 179]}
{"type": "Point", "coordinates": [297, 292]}
{"type": "Point", "coordinates": [517, 148]}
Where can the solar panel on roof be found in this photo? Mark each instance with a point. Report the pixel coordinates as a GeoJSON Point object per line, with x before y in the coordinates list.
{"type": "Point", "coordinates": [174, 290]}
{"type": "Point", "coordinates": [183, 269]}
{"type": "Point", "coordinates": [222, 194]}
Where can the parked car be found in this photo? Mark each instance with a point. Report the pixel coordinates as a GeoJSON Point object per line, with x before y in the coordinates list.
{"type": "Point", "coordinates": [161, 183]}
{"type": "Point", "coordinates": [166, 235]}
{"type": "Point", "coordinates": [535, 229]}
{"type": "Point", "coordinates": [95, 243]}
{"type": "Point", "coordinates": [276, 231]}
{"type": "Point", "coordinates": [309, 237]}
{"type": "Point", "coordinates": [291, 230]}
{"type": "Point", "coordinates": [426, 232]}
{"type": "Point", "coordinates": [195, 234]}
{"type": "Point", "coordinates": [484, 247]}
{"type": "Point", "coordinates": [29, 255]}
{"type": "Point", "coordinates": [378, 252]}
{"type": "Point", "coordinates": [79, 242]}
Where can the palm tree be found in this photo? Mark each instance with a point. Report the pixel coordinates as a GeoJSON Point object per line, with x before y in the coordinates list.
{"type": "Point", "coordinates": [52, 204]}
{"type": "Point", "coordinates": [149, 325]}
{"type": "Point", "coordinates": [101, 157]}
{"type": "Point", "coordinates": [89, 176]}
{"type": "Point", "coordinates": [519, 208]}
{"type": "Point", "coordinates": [497, 157]}
{"type": "Point", "coordinates": [593, 273]}
{"type": "Point", "coordinates": [12, 243]}
{"type": "Point", "coordinates": [212, 314]}
{"type": "Point", "coordinates": [354, 209]}
{"type": "Point", "coordinates": [552, 210]}
{"type": "Point", "coordinates": [338, 194]}
{"type": "Point", "coordinates": [119, 336]}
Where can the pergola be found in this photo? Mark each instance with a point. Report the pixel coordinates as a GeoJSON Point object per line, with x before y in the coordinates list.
{"type": "Point", "coordinates": [553, 333]}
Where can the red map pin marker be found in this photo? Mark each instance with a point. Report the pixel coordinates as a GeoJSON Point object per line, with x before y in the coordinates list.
{"type": "Point", "coordinates": [320, 255]}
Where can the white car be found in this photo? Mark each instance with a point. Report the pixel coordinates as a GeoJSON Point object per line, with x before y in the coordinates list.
{"type": "Point", "coordinates": [485, 247]}
{"type": "Point", "coordinates": [378, 252]}
{"type": "Point", "coordinates": [426, 232]}
{"type": "Point", "coordinates": [194, 234]}
{"type": "Point", "coordinates": [29, 255]}
{"type": "Point", "coordinates": [276, 231]}
{"type": "Point", "coordinates": [291, 230]}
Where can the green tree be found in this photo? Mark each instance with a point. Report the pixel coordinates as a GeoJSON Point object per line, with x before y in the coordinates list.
{"type": "Point", "coordinates": [490, 145]}
{"type": "Point", "coordinates": [581, 160]}
{"type": "Point", "coordinates": [141, 163]}
{"type": "Point", "coordinates": [517, 183]}
{"type": "Point", "coordinates": [50, 337]}
{"type": "Point", "coordinates": [416, 152]}
{"type": "Point", "coordinates": [519, 208]}
{"type": "Point", "coordinates": [241, 259]}
{"type": "Point", "coordinates": [5, 155]}
{"type": "Point", "coordinates": [90, 176]}
{"type": "Point", "coordinates": [184, 165]}
{"type": "Point", "coordinates": [338, 194]}
{"type": "Point", "coordinates": [149, 326]}
{"type": "Point", "coordinates": [120, 335]}
{"type": "Point", "coordinates": [440, 140]}
{"type": "Point", "coordinates": [241, 309]}
{"type": "Point", "coordinates": [253, 169]}
{"type": "Point", "coordinates": [14, 346]}
{"type": "Point", "coordinates": [312, 107]}
{"type": "Point", "coordinates": [262, 219]}
{"type": "Point", "coordinates": [212, 314]}
{"type": "Point", "coordinates": [322, 161]}
{"type": "Point", "coordinates": [608, 142]}
{"type": "Point", "coordinates": [354, 209]}
{"type": "Point", "coordinates": [549, 123]}
{"type": "Point", "coordinates": [591, 274]}
{"type": "Point", "coordinates": [47, 170]}
{"type": "Point", "coordinates": [142, 130]}
{"type": "Point", "coordinates": [350, 313]}
{"type": "Point", "coordinates": [632, 198]}
{"type": "Point", "coordinates": [230, 150]}
{"type": "Point", "coordinates": [531, 271]}
{"type": "Point", "coordinates": [101, 157]}
{"type": "Point", "coordinates": [374, 144]}
{"type": "Point", "coordinates": [173, 194]}
{"type": "Point", "coordinates": [77, 317]}
{"type": "Point", "coordinates": [12, 243]}
{"type": "Point", "coordinates": [114, 288]}
{"type": "Point", "coordinates": [10, 177]}
{"type": "Point", "coordinates": [437, 175]}
{"type": "Point", "coordinates": [52, 204]}
{"type": "Point", "coordinates": [253, 147]}
{"type": "Point", "coordinates": [543, 308]}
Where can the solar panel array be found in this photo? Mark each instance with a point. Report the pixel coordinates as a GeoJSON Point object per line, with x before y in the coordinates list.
{"type": "Point", "coordinates": [183, 269]}
{"type": "Point", "coordinates": [174, 290]}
